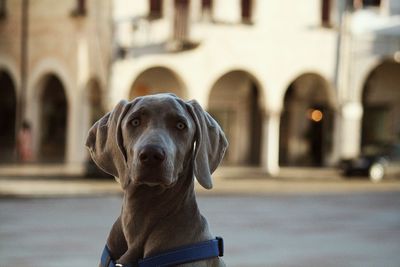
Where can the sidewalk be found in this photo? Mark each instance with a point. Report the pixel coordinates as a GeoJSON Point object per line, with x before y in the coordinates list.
{"type": "Point", "coordinates": [227, 180]}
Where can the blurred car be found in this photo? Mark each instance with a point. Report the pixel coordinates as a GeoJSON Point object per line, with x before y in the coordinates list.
{"type": "Point", "coordinates": [376, 162]}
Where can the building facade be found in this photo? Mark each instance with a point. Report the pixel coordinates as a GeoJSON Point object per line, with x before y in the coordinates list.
{"type": "Point", "coordinates": [54, 67]}
{"type": "Point", "coordinates": [290, 86]}
{"type": "Point", "coordinates": [299, 86]}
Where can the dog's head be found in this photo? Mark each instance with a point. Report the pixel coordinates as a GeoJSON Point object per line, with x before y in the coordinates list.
{"type": "Point", "coordinates": [153, 139]}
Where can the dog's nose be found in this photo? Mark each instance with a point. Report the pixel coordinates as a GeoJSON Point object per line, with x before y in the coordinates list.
{"type": "Point", "coordinates": [151, 154]}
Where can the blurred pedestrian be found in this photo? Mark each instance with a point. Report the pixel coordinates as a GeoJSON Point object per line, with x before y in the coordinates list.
{"type": "Point", "coordinates": [24, 143]}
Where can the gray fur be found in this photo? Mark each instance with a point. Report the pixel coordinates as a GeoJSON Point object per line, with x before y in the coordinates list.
{"type": "Point", "coordinates": [159, 209]}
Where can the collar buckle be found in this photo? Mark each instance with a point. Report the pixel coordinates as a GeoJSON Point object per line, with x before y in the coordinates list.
{"type": "Point", "coordinates": [220, 246]}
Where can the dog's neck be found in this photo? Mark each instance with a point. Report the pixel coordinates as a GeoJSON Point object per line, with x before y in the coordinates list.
{"type": "Point", "coordinates": [165, 218]}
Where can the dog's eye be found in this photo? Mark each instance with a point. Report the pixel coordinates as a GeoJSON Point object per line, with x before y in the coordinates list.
{"type": "Point", "coordinates": [135, 122]}
{"type": "Point", "coordinates": [180, 126]}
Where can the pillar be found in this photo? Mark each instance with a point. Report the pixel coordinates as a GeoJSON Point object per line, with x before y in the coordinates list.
{"type": "Point", "coordinates": [350, 129]}
{"type": "Point", "coordinates": [270, 149]}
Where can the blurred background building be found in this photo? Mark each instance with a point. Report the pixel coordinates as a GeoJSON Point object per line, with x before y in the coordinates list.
{"type": "Point", "coordinates": [293, 83]}
{"type": "Point", "coordinates": [54, 67]}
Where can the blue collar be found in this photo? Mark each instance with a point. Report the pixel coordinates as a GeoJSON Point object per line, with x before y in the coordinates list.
{"type": "Point", "coordinates": [196, 252]}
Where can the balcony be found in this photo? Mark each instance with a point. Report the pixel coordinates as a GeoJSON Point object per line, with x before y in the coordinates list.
{"type": "Point", "coordinates": [141, 35]}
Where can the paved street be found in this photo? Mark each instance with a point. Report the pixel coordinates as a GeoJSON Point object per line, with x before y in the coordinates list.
{"type": "Point", "coordinates": [346, 229]}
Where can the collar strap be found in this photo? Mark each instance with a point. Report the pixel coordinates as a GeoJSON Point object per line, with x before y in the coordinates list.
{"type": "Point", "coordinates": [195, 252]}
{"type": "Point", "coordinates": [107, 261]}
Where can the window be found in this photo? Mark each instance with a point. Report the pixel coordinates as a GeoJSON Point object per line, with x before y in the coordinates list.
{"type": "Point", "coordinates": [155, 9]}
{"type": "Point", "coordinates": [181, 20]}
{"type": "Point", "coordinates": [3, 12]}
{"type": "Point", "coordinates": [326, 13]}
{"type": "Point", "coordinates": [206, 8]}
{"type": "Point", "coordinates": [367, 3]}
{"type": "Point", "coordinates": [80, 8]}
{"type": "Point", "coordinates": [206, 5]}
{"type": "Point", "coordinates": [246, 11]}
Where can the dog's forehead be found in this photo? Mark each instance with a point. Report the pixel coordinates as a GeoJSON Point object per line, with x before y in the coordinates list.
{"type": "Point", "coordinates": [161, 104]}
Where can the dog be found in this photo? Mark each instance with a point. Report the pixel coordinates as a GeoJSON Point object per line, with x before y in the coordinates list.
{"type": "Point", "coordinates": [156, 146]}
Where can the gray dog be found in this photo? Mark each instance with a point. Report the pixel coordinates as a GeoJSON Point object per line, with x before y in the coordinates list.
{"type": "Point", "coordinates": [154, 146]}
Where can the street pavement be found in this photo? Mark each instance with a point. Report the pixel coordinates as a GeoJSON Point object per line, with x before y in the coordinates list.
{"type": "Point", "coordinates": [227, 180]}
{"type": "Point", "coordinates": [351, 229]}
{"type": "Point", "coordinates": [304, 217]}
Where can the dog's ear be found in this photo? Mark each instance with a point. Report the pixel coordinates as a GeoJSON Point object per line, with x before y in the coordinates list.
{"type": "Point", "coordinates": [210, 144]}
{"type": "Point", "coordinates": [105, 143]}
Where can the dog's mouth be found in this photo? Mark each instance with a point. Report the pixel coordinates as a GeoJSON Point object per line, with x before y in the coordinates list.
{"type": "Point", "coordinates": [154, 178]}
{"type": "Point", "coordinates": [156, 185]}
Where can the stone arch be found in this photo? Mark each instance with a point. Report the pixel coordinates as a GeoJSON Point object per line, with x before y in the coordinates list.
{"type": "Point", "coordinates": [8, 110]}
{"type": "Point", "coordinates": [381, 104]}
{"type": "Point", "coordinates": [52, 119]}
{"type": "Point", "coordinates": [155, 80]}
{"type": "Point", "coordinates": [36, 84]}
{"type": "Point", "coordinates": [235, 100]}
{"type": "Point", "coordinates": [45, 67]}
{"type": "Point", "coordinates": [307, 119]}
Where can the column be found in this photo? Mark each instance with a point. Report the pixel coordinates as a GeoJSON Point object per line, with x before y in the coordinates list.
{"type": "Point", "coordinates": [270, 143]}
{"type": "Point", "coordinates": [350, 132]}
